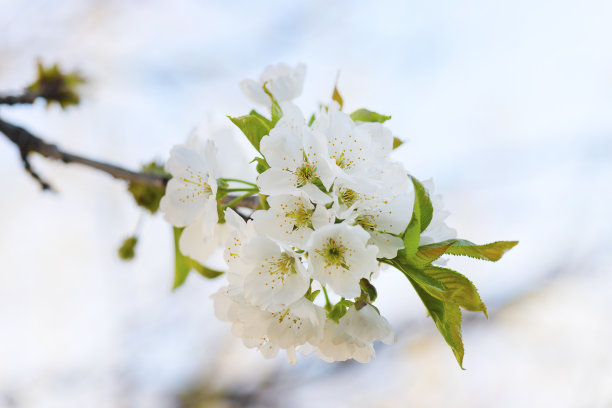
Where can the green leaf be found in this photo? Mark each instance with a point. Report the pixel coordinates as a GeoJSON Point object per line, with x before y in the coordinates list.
{"type": "Point", "coordinates": [181, 266]}
{"type": "Point", "coordinates": [253, 127]}
{"type": "Point", "coordinates": [448, 286]}
{"type": "Point", "coordinates": [339, 310]}
{"type": "Point", "coordinates": [488, 252]}
{"type": "Point", "coordinates": [426, 254]}
{"type": "Point", "coordinates": [277, 112]}
{"type": "Point", "coordinates": [447, 317]}
{"type": "Point", "coordinates": [422, 204]}
{"type": "Point", "coordinates": [267, 121]}
{"type": "Point", "coordinates": [184, 264]}
{"type": "Point", "coordinates": [397, 142]}
{"type": "Point", "coordinates": [336, 96]}
{"type": "Point", "coordinates": [422, 213]}
{"type": "Point", "coordinates": [205, 271]}
{"type": "Point", "coordinates": [262, 164]}
{"type": "Point", "coordinates": [411, 237]}
{"type": "Point", "coordinates": [364, 115]}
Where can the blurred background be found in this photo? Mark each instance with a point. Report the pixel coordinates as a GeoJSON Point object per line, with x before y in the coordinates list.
{"type": "Point", "coordinates": [506, 105]}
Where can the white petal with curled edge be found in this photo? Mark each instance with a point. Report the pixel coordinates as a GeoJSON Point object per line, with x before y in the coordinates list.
{"type": "Point", "coordinates": [367, 325]}
{"type": "Point", "coordinates": [254, 91]}
{"type": "Point", "coordinates": [387, 244]}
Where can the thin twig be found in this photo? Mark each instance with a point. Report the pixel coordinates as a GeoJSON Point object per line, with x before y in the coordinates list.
{"type": "Point", "coordinates": [28, 143]}
{"type": "Point", "coordinates": [25, 98]}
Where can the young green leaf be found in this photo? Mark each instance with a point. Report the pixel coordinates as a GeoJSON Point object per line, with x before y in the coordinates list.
{"type": "Point", "coordinates": [268, 122]}
{"type": "Point", "coordinates": [488, 252]}
{"type": "Point", "coordinates": [339, 310]}
{"type": "Point", "coordinates": [449, 286]}
{"type": "Point", "coordinates": [422, 203]}
{"type": "Point", "coordinates": [447, 317]}
{"type": "Point", "coordinates": [181, 266]}
{"type": "Point", "coordinates": [411, 237]}
{"type": "Point", "coordinates": [428, 253]}
{"type": "Point", "coordinates": [205, 271]}
{"type": "Point", "coordinates": [184, 264]}
{"type": "Point", "coordinates": [262, 164]}
{"type": "Point", "coordinates": [253, 127]}
{"type": "Point", "coordinates": [336, 96]}
{"type": "Point", "coordinates": [364, 115]}
{"type": "Point", "coordinates": [277, 113]}
{"type": "Point", "coordinates": [422, 212]}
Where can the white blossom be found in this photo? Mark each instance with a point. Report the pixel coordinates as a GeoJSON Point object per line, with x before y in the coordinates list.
{"type": "Point", "coordinates": [297, 157]}
{"type": "Point", "coordinates": [338, 345]}
{"type": "Point", "coordinates": [339, 256]}
{"type": "Point", "coordinates": [273, 279]}
{"type": "Point", "coordinates": [190, 199]}
{"type": "Point", "coordinates": [367, 325]}
{"type": "Point", "coordinates": [333, 208]}
{"type": "Point", "coordinates": [291, 219]}
{"type": "Point", "coordinates": [288, 328]}
{"type": "Point", "coordinates": [384, 219]}
{"type": "Point", "coordinates": [282, 81]}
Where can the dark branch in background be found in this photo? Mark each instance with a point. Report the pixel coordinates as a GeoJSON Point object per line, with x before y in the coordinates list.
{"type": "Point", "coordinates": [25, 98]}
{"type": "Point", "coordinates": [58, 87]}
{"type": "Point", "coordinates": [28, 143]}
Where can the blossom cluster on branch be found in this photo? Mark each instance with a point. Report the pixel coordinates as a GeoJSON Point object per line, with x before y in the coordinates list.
{"type": "Point", "coordinates": [333, 207]}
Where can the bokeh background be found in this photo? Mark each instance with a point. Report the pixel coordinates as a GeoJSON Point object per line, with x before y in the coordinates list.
{"type": "Point", "coordinates": [507, 105]}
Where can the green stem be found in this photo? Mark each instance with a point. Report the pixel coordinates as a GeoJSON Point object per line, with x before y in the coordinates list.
{"type": "Point", "coordinates": [328, 304]}
{"type": "Point", "coordinates": [237, 200]}
{"type": "Point", "coordinates": [233, 190]}
{"type": "Point", "coordinates": [239, 181]}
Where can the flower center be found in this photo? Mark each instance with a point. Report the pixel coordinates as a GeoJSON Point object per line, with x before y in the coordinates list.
{"type": "Point", "coordinates": [301, 217]}
{"type": "Point", "coordinates": [343, 162]}
{"type": "Point", "coordinates": [366, 221]}
{"type": "Point", "coordinates": [348, 196]}
{"type": "Point", "coordinates": [195, 181]}
{"type": "Point", "coordinates": [333, 253]}
{"type": "Point", "coordinates": [283, 265]}
{"type": "Point", "coordinates": [292, 321]}
{"type": "Point", "coordinates": [306, 173]}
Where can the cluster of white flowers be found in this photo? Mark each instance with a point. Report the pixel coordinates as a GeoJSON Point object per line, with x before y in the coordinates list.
{"type": "Point", "coordinates": [300, 267]}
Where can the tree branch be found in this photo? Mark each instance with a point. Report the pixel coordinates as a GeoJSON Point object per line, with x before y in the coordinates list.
{"type": "Point", "coordinates": [28, 143]}
{"type": "Point", "coordinates": [25, 98]}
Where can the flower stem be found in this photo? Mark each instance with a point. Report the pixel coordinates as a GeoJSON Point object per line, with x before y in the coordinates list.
{"type": "Point", "coordinates": [238, 199]}
{"type": "Point", "coordinates": [233, 190]}
{"type": "Point", "coordinates": [239, 181]}
{"type": "Point", "coordinates": [328, 304]}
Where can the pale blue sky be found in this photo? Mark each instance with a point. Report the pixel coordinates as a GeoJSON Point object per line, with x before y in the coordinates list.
{"type": "Point", "coordinates": [505, 104]}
